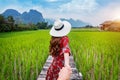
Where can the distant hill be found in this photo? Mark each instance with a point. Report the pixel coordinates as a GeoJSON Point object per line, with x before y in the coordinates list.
{"type": "Point", "coordinates": [74, 23]}
{"type": "Point", "coordinates": [33, 16]}
{"type": "Point", "coordinates": [11, 12]}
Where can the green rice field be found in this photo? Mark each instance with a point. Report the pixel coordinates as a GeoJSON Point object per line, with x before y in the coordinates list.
{"type": "Point", "coordinates": [23, 54]}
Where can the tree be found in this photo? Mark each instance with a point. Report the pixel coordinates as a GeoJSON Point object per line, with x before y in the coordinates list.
{"type": "Point", "coordinates": [11, 22]}
{"type": "Point", "coordinates": [2, 24]}
{"type": "Point", "coordinates": [1, 19]}
{"type": "Point", "coordinates": [42, 25]}
{"type": "Point", "coordinates": [50, 26]}
{"type": "Point", "coordinates": [88, 26]}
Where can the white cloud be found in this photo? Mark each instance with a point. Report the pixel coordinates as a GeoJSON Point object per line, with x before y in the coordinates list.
{"type": "Point", "coordinates": [51, 0]}
{"type": "Point", "coordinates": [85, 10]}
{"type": "Point", "coordinates": [75, 9]}
{"type": "Point", "coordinates": [110, 12]}
{"type": "Point", "coordinates": [90, 11]}
{"type": "Point", "coordinates": [78, 6]}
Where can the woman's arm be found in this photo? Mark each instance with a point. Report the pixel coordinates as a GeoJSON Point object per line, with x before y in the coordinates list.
{"type": "Point", "coordinates": [66, 59]}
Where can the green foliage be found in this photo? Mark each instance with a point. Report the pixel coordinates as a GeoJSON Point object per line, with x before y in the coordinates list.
{"type": "Point", "coordinates": [23, 54]}
{"type": "Point", "coordinates": [86, 29]}
{"type": "Point", "coordinates": [1, 19]}
{"type": "Point", "coordinates": [5, 28]}
{"type": "Point", "coordinates": [89, 26]}
{"type": "Point", "coordinates": [22, 27]}
{"type": "Point", "coordinates": [43, 25]}
{"type": "Point", "coordinates": [8, 24]}
{"type": "Point", "coordinates": [97, 54]}
{"type": "Point", "coordinates": [10, 19]}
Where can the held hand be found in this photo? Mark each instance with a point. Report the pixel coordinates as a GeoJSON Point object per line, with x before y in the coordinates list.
{"type": "Point", "coordinates": [65, 73]}
{"type": "Point", "coordinates": [68, 66]}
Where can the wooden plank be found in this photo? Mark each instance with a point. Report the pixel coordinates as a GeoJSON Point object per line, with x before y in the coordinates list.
{"type": "Point", "coordinates": [74, 76]}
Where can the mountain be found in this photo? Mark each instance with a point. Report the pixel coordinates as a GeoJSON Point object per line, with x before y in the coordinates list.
{"type": "Point", "coordinates": [74, 23]}
{"type": "Point", "coordinates": [11, 12]}
{"type": "Point", "coordinates": [33, 16]}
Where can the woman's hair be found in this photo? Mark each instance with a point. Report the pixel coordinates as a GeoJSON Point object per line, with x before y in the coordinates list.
{"type": "Point", "coordinates": [54, 47]}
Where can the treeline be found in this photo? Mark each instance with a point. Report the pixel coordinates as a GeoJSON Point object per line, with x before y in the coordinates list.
{"type": "Point", "coordinates": [9, 24]}
{"type": "Point", "coordinates": [86, 26]}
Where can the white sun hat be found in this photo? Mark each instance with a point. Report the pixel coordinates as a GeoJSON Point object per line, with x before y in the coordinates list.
{"type": "Point", "coordinates": [60, 28]}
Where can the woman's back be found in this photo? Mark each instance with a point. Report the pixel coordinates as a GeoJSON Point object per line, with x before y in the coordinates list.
{"type": "Point", "coordinates": [58, 61]}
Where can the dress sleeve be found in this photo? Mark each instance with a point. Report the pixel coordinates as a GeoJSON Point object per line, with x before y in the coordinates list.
{"type": "Point", "coordinates": [66, 48]}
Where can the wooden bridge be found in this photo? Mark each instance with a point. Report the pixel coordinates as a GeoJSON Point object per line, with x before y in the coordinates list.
{"type": "Point", "coordinates": [75, 74]}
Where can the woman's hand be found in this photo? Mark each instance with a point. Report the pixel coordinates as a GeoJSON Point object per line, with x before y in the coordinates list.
{"type": "Point", "coordinates": [65, 73]}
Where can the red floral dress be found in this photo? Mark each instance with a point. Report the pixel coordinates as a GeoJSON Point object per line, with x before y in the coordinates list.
{"type": "Point", "coordinates": [58, 61]}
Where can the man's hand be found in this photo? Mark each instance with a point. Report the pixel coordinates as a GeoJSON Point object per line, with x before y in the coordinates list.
{"type": "Point", "coordinates": [65, 73]}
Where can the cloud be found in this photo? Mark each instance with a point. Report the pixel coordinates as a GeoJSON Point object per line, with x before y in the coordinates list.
{"type": "Point", "coordinates": [51, 0]}
{"type": "Point", "coordinates": [90, 11]}
{"type": "Point", "coordinates": [76, 6]}
{"type": "Point", "coordinates": [75, 9]}
{"type": "Point", "coordinates": [109, 12]}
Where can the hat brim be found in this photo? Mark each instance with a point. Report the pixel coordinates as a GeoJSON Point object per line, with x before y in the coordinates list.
{"type": "Point", "coordinates": [63, 32]}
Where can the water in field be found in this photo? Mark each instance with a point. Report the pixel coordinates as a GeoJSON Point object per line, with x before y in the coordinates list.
{"type": "Point", "coordinates": [23, 54]}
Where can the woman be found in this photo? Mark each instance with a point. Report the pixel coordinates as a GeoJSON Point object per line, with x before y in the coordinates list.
{"type": "Point", "coordinates": [59, 48]}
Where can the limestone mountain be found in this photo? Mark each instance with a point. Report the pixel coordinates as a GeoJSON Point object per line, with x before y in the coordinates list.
{"type": "Point", "coordinates": [33, 16]}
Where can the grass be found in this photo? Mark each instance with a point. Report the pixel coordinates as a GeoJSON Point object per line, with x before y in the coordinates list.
{"type": "Point", "coordinates": [86, 30]}
{"type": "Point", "coordinates": [23, 54]}
{"type": "Point", "coordinates": [97, 54]}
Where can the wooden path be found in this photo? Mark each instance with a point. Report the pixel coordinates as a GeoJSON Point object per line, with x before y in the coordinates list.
{"type": "Point", "coordinates": [75, 74]}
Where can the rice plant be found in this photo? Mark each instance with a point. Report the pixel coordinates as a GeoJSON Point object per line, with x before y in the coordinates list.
{"type": "Point", "coordinates": [96, 54]}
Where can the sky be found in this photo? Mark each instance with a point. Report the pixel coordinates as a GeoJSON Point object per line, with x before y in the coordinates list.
{"type": "Point", "coordinates": [94, 12]}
